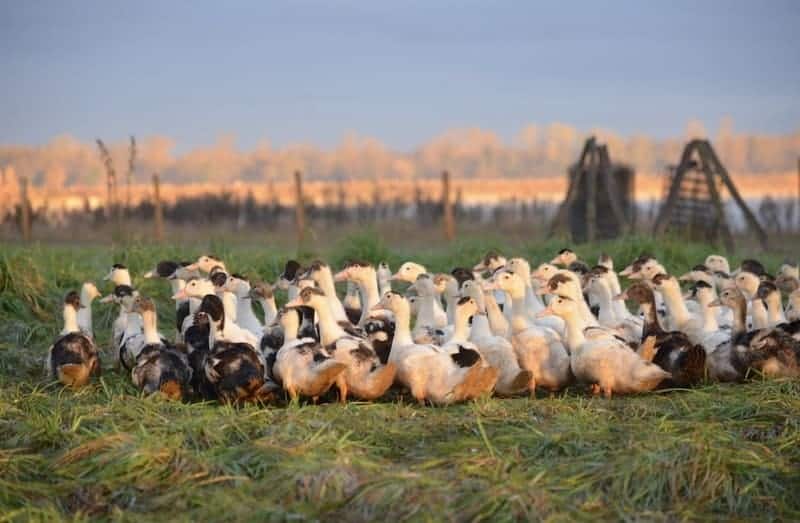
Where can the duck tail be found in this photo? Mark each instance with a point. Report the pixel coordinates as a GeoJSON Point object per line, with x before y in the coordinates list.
{"type": "Point", "coordinates": [73, 374]}
{"type": "Point", "coordinates": [478, 380]}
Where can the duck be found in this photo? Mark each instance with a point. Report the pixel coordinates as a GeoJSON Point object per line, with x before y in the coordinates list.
{"type": "Point", "coordinates": [119, 275]}
{"type": "Point", "coordinates": [607, 364]}
{"type": "Point", "coordinates": [428, 372]}
{"type": "Point", "coordinates": [409, 272]}
{"type": "Point", "coordinates": [426, 327]}
{"type": "Point", "coordinates": [176, 274]}
{"type": "Point", "coordinates": [377, 328]}
{"type": "Point", "coordinates": [219, 278]}
{"type": "Point", "coordinates": [233, 369]}
{"type": "Point", "coordinates": [565, 257]}
{"type": "Point", "coordinates": [771, 352]}
{"type": "Point", "coordinates": [567, 283]}
{"type": "Point", "coordinates": [240, 288]}
{"type": "Point", "coordinates": [533, 304]}
{"type": "Point", "coordinates": [713, 333]}
{"type": "Point", "coordinates": [352, 303]}
{"type": "Point", "coordinates": [496, 350]}
{"type": "Point", "coordinates": [88, 294]}
{"type": "Point", "coordinates": [717, 263]}
{"type": "Point", "coordinates": [674, 351]}
{"type": "Point", "coordinates": [124, 296]}
{"type": "Point", "coordinates": [446, 286]}
{"type": "Point", "coordinates": [538, 349]}
{"type": "Point", "coordinates": [769, 294]}
{"type": "Point", "coordinates": [384, 278]}
{"type": "Point", "coordinates": [627, 325]}
{"type": "Point", "coordinates": [321, 273]}
{"type": "Point", "coordinates": [365, 377]}
{"type": "Point", "coordinates": [72, 359]}
{"type": "Point", "coordinates": [159, 367]}
{"type": "Point", "coordinates": [264, 293]}
{"type": "Point", "coordinates": [680, 317]}
{"type": "Point", "coordinates": [192, 293]}
{"type": "Point", "coordinates": [206, 263]}
{"type": "Point", "coordinates": [302, 366]}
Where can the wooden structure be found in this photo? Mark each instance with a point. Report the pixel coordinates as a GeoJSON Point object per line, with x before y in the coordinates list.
{"type": "Point", "coordinates": [694, 204]}
{"type": "Point", "coordinates": [300, 207]}
{"type": "Point", "coordinates": [600, 202]}
{"type": "Point", "coordinates": [158, 212]}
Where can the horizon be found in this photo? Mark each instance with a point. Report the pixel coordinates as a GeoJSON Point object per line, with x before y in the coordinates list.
{"type": "Point", "coordinates": [312, 73]}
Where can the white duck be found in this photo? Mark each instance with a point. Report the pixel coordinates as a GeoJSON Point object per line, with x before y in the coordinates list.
{"type": "Point", "coordinates": [627, 325]}
{"type": "Point", "coordinates": [409, 272]}
{"type": "Point", "coordinates": [533, 304]}
{"type": "Point", "coordinates": [207, 263]}
{"type": "Point", "coordinates": [538, 349]}
{"type": "Point", "coordinates": [246, 318]}
{"type": "Point", "coordinates": [384, 278]}
{"type": "Point", "coordinates": [428, 328]}
{"type": "Point", "coordinates": [681, 318]}
{"type": "Point", "coordinates": [496, 350]}
{"type": "Point", "coordinates": [426, 370]}
{"type": "Point", "coordinates": [123, 296]}
{"type": "Point", "coordinates": [88, 293]}
{"type": "Point", "coordinates": [608, 364]}
{"type": "Point", "coordinates": [264, 294]}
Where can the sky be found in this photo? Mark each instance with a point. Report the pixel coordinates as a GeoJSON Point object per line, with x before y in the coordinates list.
{"type": "Point", "coordinates": [402, 71]}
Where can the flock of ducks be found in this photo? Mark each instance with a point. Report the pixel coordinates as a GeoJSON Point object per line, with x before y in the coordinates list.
{"type": "Point", "coordinates": [499, 327]}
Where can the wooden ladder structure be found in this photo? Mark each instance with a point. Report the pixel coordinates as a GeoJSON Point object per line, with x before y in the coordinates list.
{"type": "Point", "coordinates": [594, 189]}
{"type": "Point", "coordinates": [693, 203]}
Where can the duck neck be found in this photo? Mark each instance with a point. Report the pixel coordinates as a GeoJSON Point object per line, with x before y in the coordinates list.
{"type": "Point", "coordinates": [325, 281]}
{"type": "Point", "coordinates": [292, 291]}
{"type": "Point", "coordinates": [602, 294]}
{"type": "Point", "coordinates": [494, 314]}
{"type": "Point", "coordinates": [451, 302]}
{"type": "Point", "coordinates": [775, 309]}
{"type": "Point", "coordinates": [402, 327]}
{"type": "Point", "coordinates": [329, 329]}
{"type": "Point", "coordinates": [710, 323]}
{"type": "Point", "coordinates": [676, 305]}
{"type": "Point", "coordinates": [270, 309]}
{"type": "Point", "coordinates": [651, 325]}
{"type": "Point", "coordinates": [619, 306]}
{"type": "Point", "coordinates": [758, 311]}
{"type": "Point", "coordinates": [229, 305]}
{"type": "Point", "coordinates": [739, 318]}
{"type": "Point", "coordinates": [70, 320]}
{"type": "Point", "coordinates": [426, 316]}
{"type": "Point", "coordinates": [149, 326]}
{"type": "Point", "coordinates": [194, 304]}
{"type": "Point", "coordinates": [384, 285]}
{"type": "Point", "coordinates": [531, 299]}
{"type": "Point", "coordinates": [461, 327]}
{"type": "Point", "coordinates": [574, 330]}
{"type": "Point", "coordinates": [370, 296]}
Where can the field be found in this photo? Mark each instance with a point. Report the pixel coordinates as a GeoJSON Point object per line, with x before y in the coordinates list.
{"type": "Point", "coordinates": [716, 452]}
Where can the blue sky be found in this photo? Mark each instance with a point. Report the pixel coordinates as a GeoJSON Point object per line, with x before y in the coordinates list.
{"type": "Point", "coordinates": [399, 71]}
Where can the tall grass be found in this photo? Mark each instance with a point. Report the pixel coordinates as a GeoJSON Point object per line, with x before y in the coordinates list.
{"type": "Point", "coordinates": [717, 452]}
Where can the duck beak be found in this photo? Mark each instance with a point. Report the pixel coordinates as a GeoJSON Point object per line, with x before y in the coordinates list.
{"type": "Point", "coordinates": [180, 295]}
{"type": "Point", "coordinates": [556, 261]}
{"type": "Point", "coordinates": [635, 276]}
{"type": "Point", "coordinates": [715, 303]}
{"type": "Point", "coordinates": [150, 274]}
{"type": "Point", "coordinates": [395, 277]}
{"type": "Point", "coordinates": [340, 276]}
{"type": "Point", "coordinates": [544, 312]}
{"type": "Point", "coordinates": [108, 276]}
{"type": "Point", "coordinates": [191, 267]}
{"type": "Point", "coordinates": [626, 271]}
{"type": "Point", "coordinates": [686, 277]}
{"type": "Point", "coordinates": [297, 302]}
{"type": "Point", "coordinates": [621, 296]}
{"type": "Point", "coordinates": [479, 267]}
{"type": "Point", "coordinates": [687, 295]}
{"type": "Point", "coordinates": [107, 299]}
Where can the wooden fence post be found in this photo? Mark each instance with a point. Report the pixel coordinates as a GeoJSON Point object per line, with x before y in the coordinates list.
{"type": "Point", "coordinates": [158, 213]}
{"type": "Point", "coordinates": [447, 204]}
{"type": "Point", "coordinates": [300, 208]}
{"type": "Point", "coordinates": [25, 209]}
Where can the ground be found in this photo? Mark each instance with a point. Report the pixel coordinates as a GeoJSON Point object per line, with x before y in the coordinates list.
{"type": "Point", "coordinates": [715, 452]}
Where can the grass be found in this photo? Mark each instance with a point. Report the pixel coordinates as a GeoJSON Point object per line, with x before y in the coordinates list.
{"type": "Point", "coordinates": [716, 452]}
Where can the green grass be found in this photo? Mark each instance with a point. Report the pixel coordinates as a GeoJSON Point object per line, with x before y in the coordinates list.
{"type": "Point", "coordinates": [717, 452]}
